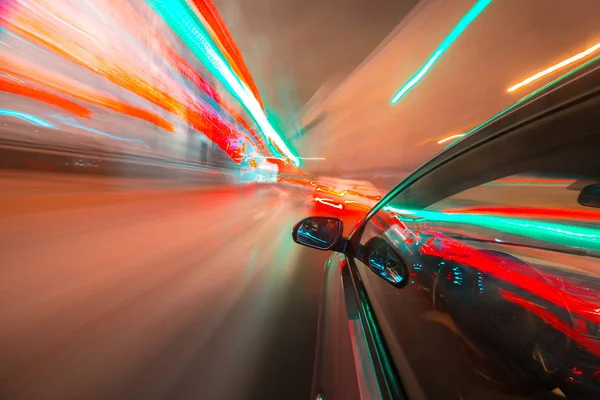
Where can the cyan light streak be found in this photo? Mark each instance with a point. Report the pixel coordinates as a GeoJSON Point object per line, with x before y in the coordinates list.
{"type": "Point", "coordinates": [446, 43]}
{"type": "Point", "coordinates": [106, 134]}
{"type": "Point", "coordinates": [311, 236]}
{"type": "Point", "coordinates": [565, 235]}
{"type": "Point", "coordinates": [70, 122]}
{"type": "Point", "coordinates": [182, 20]}
{"type": "Point", "coordinates": [32, 119]}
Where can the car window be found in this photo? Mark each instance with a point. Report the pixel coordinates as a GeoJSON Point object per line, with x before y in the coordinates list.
{"type": "Point", "coordinates": [503, 292]}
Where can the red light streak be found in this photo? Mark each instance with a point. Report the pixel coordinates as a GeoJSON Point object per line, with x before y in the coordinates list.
{"type": "Point", "coordinates": [39, 75]}
{"type": "Point", "coordinates": [9, 86]}
{"type": "Point", "coordinates": [179, 63]}
{"type": "Point", "coordinates": [447, 248]}
{"type": "Point", "coordinates": [222, 37]}
{"type": "Point", "coordinates": [549, 213]}
{"type": "Point", "coordinates": [46, 24]}
{"type": "Point", "coordinates": [554, 321]}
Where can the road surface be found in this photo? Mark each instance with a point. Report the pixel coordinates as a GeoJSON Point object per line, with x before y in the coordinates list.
{"type": "Point", "coordinates": [185, 294]}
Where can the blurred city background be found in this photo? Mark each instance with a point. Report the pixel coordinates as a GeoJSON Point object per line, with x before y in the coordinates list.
{"type": "Point", "coordinates": [155, 155]}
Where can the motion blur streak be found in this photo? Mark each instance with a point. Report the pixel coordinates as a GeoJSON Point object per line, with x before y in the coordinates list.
{"type": "Point", "coordinates": [450, 138]}
{"type": "Point", "coordinates": [40, 76]}
{"type": "Point", "coordinates": [555, 67]}
{"type": "Point", "coordinates": [446, 43]}
{"type": "Point", "coordinates": [27, 117]}
{"type": "Point", "coordinates": [554, 321]}
{"type": "Point", "coordinates": [178, 15]}
{"type": "Point", "coordinates": [153, 292]}
{"type": "Point", "coordinates": [70, 122]}
{"type": "Point", "coordinates": [141, 242]}
{"type": "Point", "coordinates": [221, 35]}
{"type": "Point", "coordinates": [44, 96]}
{"type": "Point", "coordinates": [509, 272]}
{"type": "Point", "coordinates": [127, 44]}
{"type": "Point", "coordinates": [524, 99]}
{"type": "Point", "coordinates": [126, 14]}
{"type": "Point", "coordinates": [531, 212]}
{"type": "Point", "coordinates": [328, 202]}
{"type": "Point", "coordinates": [567, 235]}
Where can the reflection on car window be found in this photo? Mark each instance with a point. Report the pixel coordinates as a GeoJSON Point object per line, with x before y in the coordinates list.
{"type": "Point", "coordinates": [504, 285]}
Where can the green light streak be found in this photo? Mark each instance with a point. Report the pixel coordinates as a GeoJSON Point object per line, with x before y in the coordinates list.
{"type": "Point", "coordinates": [185, 24]}
{"type": "Point", "coordinates": [446, 43]}
{"type": "Point", "coordinates": [561, 234]}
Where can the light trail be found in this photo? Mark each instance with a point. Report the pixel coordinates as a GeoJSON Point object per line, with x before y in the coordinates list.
{"type": "Point", "coordinates": [446, 43]}
{"type": "Point", "coordinates": [450, 138]}
{"type": "Point", "coordinates": [555, 67]}
{"type": "Point", "coordinates": [27, 117]}
{"type": "Point", "coordinates": [181, 19]}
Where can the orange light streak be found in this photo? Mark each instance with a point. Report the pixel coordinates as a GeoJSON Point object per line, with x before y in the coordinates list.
{"type": "Point", "coordinates": [555, 67]}
{"type": "Point", "coordinates": [39, 75]}
{"type": "Point", "coordinates": [10, 86]}
{"type": "Point", "coordinates": [111, 64]}
{"type": "Point", "coordinates": [128, 16]}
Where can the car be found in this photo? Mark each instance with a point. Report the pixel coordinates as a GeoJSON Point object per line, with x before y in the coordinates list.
{"type": "Point", "coordinates": [343, 196]}
{"type": "Point", "coordinates": [477, 276]}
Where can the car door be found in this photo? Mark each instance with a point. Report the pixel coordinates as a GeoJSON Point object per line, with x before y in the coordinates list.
{"type": "Point", "coordinates": [335, 373]}
{"type": "Point", "coordinates": [479, 275]}
{"type": "Point", "coordinates": [501, 244]}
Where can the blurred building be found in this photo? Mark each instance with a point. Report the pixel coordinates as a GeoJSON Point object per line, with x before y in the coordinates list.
{"type": "Point", "coordinates": [116, 51]}
{"type": "Point", "coordinates": [355, 126]}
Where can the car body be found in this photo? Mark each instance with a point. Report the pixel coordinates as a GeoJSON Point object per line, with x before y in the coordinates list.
{"type": "Point", "coordinates": [478, 276]}
{"type": "Point", "coordinates": [343, 196]}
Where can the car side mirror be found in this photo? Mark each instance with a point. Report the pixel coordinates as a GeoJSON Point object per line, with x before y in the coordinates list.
{"type": "Point", "coordinates": [590, 196]}
{"type": "Point", "coordinates": [322, 233]}
{"type": "Point", "coordinates": [383, 259]}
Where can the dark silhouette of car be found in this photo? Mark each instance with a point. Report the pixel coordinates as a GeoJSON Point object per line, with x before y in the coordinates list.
{"type": "Point", "coordinates": [478, 276]}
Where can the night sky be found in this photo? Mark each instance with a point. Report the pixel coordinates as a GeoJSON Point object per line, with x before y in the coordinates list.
{"type": "Point", "coordinates": [293, 46]}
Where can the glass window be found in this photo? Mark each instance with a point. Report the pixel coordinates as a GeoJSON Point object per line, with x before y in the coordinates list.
{"type": "Point", "coordinates": [503, 298]}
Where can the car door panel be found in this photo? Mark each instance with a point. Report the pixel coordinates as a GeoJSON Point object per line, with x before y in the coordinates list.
{"type": "Point", "coordinates": [335, 372]}
{"type": "Point", "coordinates": [499, 240]}
{"type": "Point", "coordinates": [504, 273]}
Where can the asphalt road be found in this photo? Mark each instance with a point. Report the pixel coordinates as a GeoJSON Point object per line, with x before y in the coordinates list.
{"type": "Point", "coordinates": [185, 294]}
